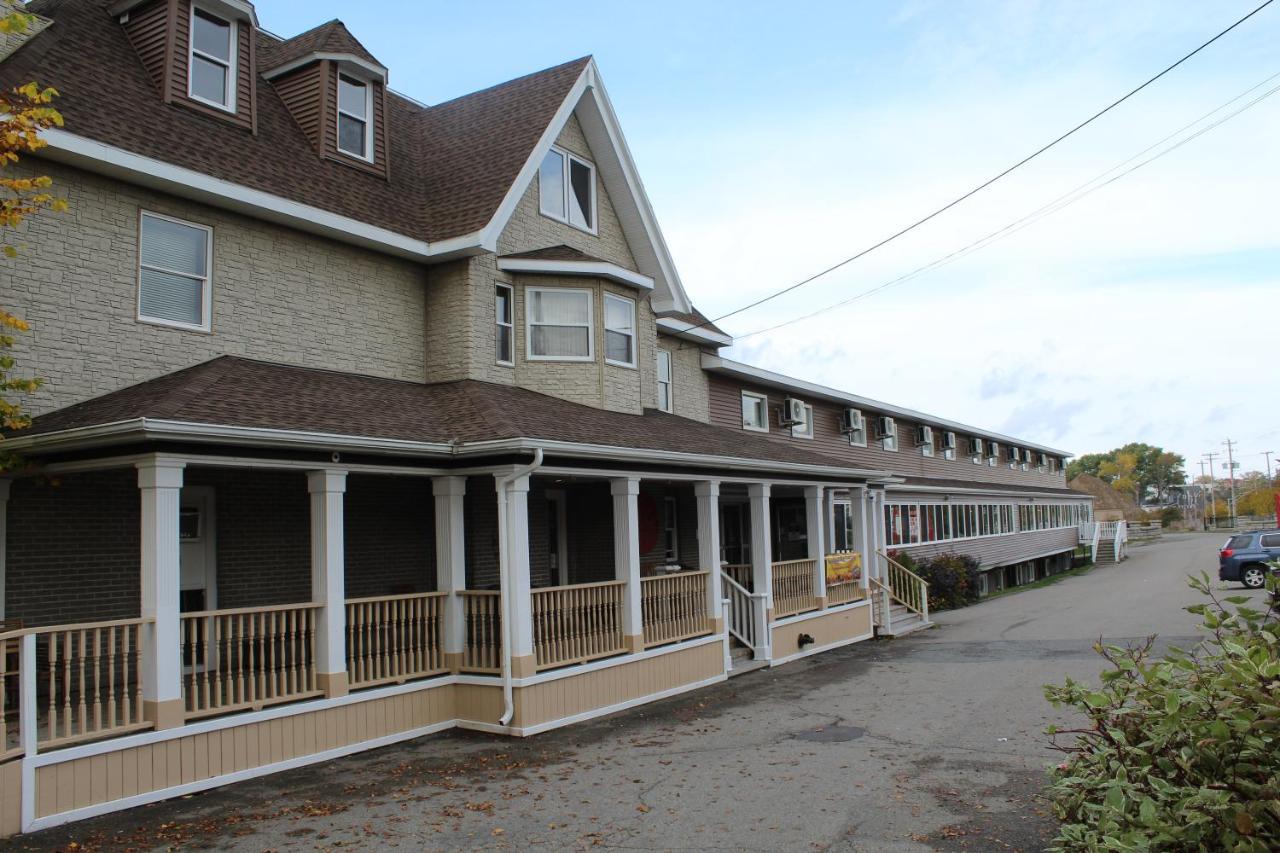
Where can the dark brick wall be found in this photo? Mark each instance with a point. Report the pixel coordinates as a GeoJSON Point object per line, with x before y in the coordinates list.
{"type": "Point", "coordinates": [263, 535]}
{"type": "Point", "coordinates": [390, 535]}
{"type": "Point", "coordinates": [73, 548]}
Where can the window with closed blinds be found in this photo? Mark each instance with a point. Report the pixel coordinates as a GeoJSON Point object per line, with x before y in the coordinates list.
{"type": "Point", "coordinates": [560, 324]}
{"type": "Point", "coordinates": [173, 272]}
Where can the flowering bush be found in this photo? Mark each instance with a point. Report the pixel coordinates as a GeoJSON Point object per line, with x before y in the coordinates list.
{"type": "Point", "coordinates": [1180, 752]}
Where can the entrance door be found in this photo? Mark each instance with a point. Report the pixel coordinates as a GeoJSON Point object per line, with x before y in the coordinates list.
{"type": "Point", "coordinates": [557, 539]}
{"type": "Point", "coordinates": [198, 576]}
{"type": "Point", "coordinates": [735, 541]}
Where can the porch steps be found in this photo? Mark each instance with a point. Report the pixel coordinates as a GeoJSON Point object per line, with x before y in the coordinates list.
{"type": "Point", "coordinates": [1106, 552]}
{"type": "Point", "coordinates": [742, 662]}
{"type": "Point", "coordinates": [902, 621]}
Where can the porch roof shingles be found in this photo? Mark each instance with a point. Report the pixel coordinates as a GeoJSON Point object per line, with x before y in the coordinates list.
{"type": "Point", "coordinates": [451, 164]}
{"type": "Point", "coordinates": [238, 392]}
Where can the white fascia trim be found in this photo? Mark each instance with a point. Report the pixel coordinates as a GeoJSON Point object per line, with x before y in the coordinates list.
{"type": "Point", "coordinates": [682, 329]}
{"type": "Point", "coordinates": [637, 454]}
{"type": "Point", "coordinates": [597, 269]}
{"type": "Point", "coordinates": [589, 82]}
{"type": "Point", "coordinates": [349, 61]}
{"type": "Point", "coordinates": [994, 491]}
{"type": "Point", "coordinates": [526, 731]}
{"type": "Point", "coordinates": [188, 183]}
{"type": "Point", "coordinates": [820, 649]}
{"type": "Point", "coordinates": [716, 364]}
{"type": "Point", "coordinates": [145, 428]}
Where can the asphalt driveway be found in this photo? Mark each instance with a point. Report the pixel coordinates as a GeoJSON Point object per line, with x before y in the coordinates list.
{"type": "Point", "coordinates": [930, 742]}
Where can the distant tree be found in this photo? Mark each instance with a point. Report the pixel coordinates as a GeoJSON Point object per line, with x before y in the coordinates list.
{"type": "Point", "coordinates": [24, 112]}
{"type": "Point", "coordinates": [1146, 471]}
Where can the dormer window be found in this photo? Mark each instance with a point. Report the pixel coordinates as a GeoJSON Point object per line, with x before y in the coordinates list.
{"type": "Point", "coordinates": [354, 108]}
{"type": "Point", "coordinates": [567, 189]}
{"type": "Point", "coordinates": [211, 77]}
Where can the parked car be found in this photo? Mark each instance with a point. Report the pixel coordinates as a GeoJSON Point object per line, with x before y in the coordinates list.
{"type": "Point", "coordinates": [1245, 556]}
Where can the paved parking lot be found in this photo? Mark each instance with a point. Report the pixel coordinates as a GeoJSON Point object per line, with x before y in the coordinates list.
{"type": "Point", "coordinates": [930, 742]}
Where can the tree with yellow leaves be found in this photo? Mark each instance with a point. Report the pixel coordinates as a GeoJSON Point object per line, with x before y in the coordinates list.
{"type": "Point", "coordinates": [24, 113]}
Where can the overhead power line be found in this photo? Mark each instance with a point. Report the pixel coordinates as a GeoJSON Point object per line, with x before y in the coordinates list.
{"type": "Point", "coordinates": [1060, 203]}
{"type": "Point", "coordinates": [914, 225]}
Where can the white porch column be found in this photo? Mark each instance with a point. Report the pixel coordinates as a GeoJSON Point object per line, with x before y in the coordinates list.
{"type": "Point", "coordinates": [761, 544]}
{"type": "Point", "coordinates": [519, 598]}
{"type": "Point", "coordinates": [160, 487]}
{"type": "Point", "coordinates": [328, 578]}
{"type": "Point", "coordinates": [626, 556]}
{"type": "Point", "coordinates": [4, 534]}
{"type": "Point", "coordinates": [814, 511]}
{"type": "Point", "coordinates": [862, 536]}
{"type": "Point", "coordinates": [451, 565]}
{"type": "Point", "coordinates": [875, 526]}
{"type": "Point", "coordinates": [708, 497]}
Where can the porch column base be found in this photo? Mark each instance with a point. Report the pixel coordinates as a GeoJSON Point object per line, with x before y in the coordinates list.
{"type": "Point", "coordinates": [634, 642]}
{"type": "Point", "coordinates": [768, 616]}
{"type": "Point", "coordinates": [166, 714]}
{"type": "Point", "coordinates": [717, 625]}
{"type": "Point", "coordinates": [453, 661]}
{"type": "Point", "coordinates": [821, 602]}
{"type": "Point", "coordinates": [334, 684]}
{"type": "Point", "coordinates": [523, 666]}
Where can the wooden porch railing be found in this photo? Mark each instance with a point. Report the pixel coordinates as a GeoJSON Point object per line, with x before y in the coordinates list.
{"type": "Point", "coordinates": [86, 680]}
{"type": "Point", "coordinates": [573, 624]}
{"type": "Point", "coordinates": [907, 588]}
{"type": "Point", "coordinates": [845, 592]}
{"type": "Point", "coordinates": [248, 657]}
{"type": "Point", "coordinates": [674, 607]}
{"type": "Point", "coordinates": [394, 638]}
{"type": "Point", "coordinates": [741, 574]}
{"type": "Point", "coordinates": [793, 587]}
{"type": "Point", "coordinates": [482, 651]}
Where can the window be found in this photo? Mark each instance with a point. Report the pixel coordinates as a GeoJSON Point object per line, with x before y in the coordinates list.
{"type": "Point", "coordinates": [664, 381]}
{"type": "Point", "coordinates": [354, 109]}
{"type": "Point", "coordinates": [559, 325]}
{"type": "Point", "coordinates": [755, 411]}
{"type": "Point", "coordinates": [804, 429]}
{"type": "Point", "coordinates": [993, 453]}
{"type": "Point", "coordinates": [505, 330]}
{"type": "Point", "coordinates": [926, 445]}
{"type": "Point", "coordinates": [858, 437]}
{"type": "Point", "coordinates": [173, 272]}
{"type": "Point", "coordinates": [211, 74]}
{"type": "Point", "coordinates": [842, 526]}
{"type": "Point", "coordinates": [567, 189]}
{"type": "Point", "coordinates": [619, 331]}
{"type": "Point", "coordinates": [670, 529]}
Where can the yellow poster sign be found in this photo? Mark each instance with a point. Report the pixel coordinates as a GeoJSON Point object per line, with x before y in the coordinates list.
{"type": "Point", "coordinates": [843, 568]}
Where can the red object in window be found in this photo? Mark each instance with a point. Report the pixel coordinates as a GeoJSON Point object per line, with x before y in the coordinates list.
{"type": "Point", "coordinates": [649, 522]}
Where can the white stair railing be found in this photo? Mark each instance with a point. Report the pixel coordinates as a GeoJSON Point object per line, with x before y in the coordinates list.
{"type": "Point", "coordinates": [748, 619]}
{"type": "Point", "coordinates": [907, 588]}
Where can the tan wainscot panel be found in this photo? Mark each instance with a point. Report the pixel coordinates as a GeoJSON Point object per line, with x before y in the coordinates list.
{"type": "Point", "coordinates": [10, 798]}
{"type": "Point", "coordinates": [142, 769]}
{"type": "Point", "coordinates": [829, 628]}
{"type": "Point", "coordinates": [479, 703]}
{"type": "Point", "coordinates": [602, 688]}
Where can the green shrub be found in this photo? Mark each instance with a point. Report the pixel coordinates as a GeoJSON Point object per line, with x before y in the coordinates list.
{"type": "Point", "coordinates": [1169, 516]}
{"type": "Point", "coordinates": [952, 579]}
{"type": "Point", "coordinates": [1180, 752]}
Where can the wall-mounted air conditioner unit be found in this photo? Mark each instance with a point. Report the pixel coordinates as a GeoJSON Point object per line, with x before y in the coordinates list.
{"type": "Point", "coordinates": [975, 446]}
{"type": "Point", "coordinates": [924, 436]}
{"type": "Point", "coordinates": [792, 411]}
{"type": "Point", "coordinates": [886, 428]}
{"type": "Point", "coordinates": [850, 421]}
{"type": "Point", "coordinates": [948, 440]}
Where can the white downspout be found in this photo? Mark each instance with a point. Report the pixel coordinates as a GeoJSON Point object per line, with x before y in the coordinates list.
{"type": "Point", "coordinates": [504, 581]}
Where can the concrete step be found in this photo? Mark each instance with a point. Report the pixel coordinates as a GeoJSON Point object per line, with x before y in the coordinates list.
{"type": "Point", "coordinates": [738, 653]}
{"type": "Point", "coordinates": [901, 626]}
{"type": "Point", "coordinates": [742, 667]}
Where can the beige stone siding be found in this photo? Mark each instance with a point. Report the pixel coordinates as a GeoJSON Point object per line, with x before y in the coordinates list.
{"type": "Point", "coordinates": [690, 388]}
{"type": "Point", "coordinates": [278, 295]}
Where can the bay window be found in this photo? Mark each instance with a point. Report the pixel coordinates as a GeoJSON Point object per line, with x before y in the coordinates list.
{"type": "Point", "coordinates": [559, 325]}
{"type": "Point", "coordinates": [504, 327]}
{"type": "Point", "coordinates": [619, 331]}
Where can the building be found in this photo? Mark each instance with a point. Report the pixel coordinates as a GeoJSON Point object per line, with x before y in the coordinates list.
{"type": "Point", "coordinates": [365, 419]}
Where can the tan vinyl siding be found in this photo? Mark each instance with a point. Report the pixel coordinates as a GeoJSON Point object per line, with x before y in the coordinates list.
{"type": "Point", "coordinates": [726, 409]}
{"type": "Point", "coordinates": [828, 629]}
{"type": "Point", "coordinates": [148, 31]}
{"type": "Point", "coordinates": [10, 798]}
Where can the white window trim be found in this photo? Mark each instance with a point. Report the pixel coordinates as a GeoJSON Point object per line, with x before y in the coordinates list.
{"type": "Point", "coordinates": [635, 337]}
{"type": "Point", "coordinates": [499, 324]}
{"type": "Point", "coordinates": [566, 189]}
{"type": "Point", "coordinates": [764, 399]}
{"type": "Point", "coordinates": [206, 293]}
{"type": "Point", "coordinates": [367, 157]}
{"type": "Point", "coordinates": [808, 419]}
{"type": "Point", "coordinates": [529, 324]}
{"type": "Point", "coordinates": [669, 381]}
{"type": "Point", "coordinates": [232, 68]}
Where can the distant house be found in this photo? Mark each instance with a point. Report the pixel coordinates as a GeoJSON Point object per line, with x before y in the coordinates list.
{"type": "Point", "coordinates": [366, 419]}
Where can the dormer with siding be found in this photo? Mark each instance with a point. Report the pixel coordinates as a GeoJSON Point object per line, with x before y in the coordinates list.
{"type": "Point", "coordinates": [201, 55]}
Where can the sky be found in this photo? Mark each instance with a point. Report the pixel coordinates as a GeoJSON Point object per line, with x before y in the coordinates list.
{"type": "Point", "coordinates": [775, 140]}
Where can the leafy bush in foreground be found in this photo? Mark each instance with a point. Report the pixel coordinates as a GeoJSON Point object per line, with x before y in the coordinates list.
{"type": "Point", "coordinates": [1180, 752]}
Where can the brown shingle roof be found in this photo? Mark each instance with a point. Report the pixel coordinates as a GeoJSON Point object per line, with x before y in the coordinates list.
{"type": "Point", "coordinates": [451, 164]}
{"type": "Point", "coordinates": [238, 392]}
{"type": "Point", "coordinates": [330, 37]}
{"type": "Point", "coordinates": [696, 318]}
{"type": "Point", "coordinates": [556, 253]}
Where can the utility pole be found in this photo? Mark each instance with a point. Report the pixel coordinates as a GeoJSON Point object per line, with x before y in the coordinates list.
{"type": "Point", "coordinates": [1231, 469]}
{"type": "Point", "coordinates": [1267, 454]}
{"type": "Point", "coordinates": [1213, 488]}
